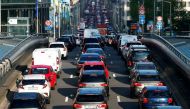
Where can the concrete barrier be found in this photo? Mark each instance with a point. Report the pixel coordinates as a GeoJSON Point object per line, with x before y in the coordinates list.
{"type": "Point", "coordinates": [4, 68]}
{"type": "Point", "coordinates": [8, 64]}
{"type": "Point", "coordinates": [1, 70]}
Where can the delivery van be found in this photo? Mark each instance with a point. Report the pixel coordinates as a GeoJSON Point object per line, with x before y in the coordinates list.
{"type": "Point", "coordinates": [48, 56]}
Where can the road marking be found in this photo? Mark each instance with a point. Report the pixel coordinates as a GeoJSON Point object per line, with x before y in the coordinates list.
{"type": "Point", "coordinates": [109, 54]}
{"type": "Point", "coordinates": [111, 62]}
{"type": "Point", "coordinates": [66, 99]}
{"type": "Point", "coordinates": [71, 76]}
{"type": "Point", "coordinates": [114, 75]}
{"type": "Point", "coordinates": [118, 99]}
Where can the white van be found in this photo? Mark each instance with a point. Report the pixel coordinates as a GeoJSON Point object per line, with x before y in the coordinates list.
{"type": "Point", "coordinates": [48, 56]}
{"type": "Point", "coordinates": [91, 33]}
{"type": "Point", "coordinates": [61, 46]}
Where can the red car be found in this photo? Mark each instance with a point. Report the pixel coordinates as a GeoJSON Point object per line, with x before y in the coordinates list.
{"type": "Point", "coordinates": [47, 71]}
{"type": "Point", "coordinates": [95, 65]}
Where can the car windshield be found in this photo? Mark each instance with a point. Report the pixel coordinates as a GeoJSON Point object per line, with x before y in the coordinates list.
{"type": "Point", "coordinates": [91, 40]}
{"type": "Point", "coordinates": [39, 70]}
{"type": "Point", "coordinates": [28, 82]}
{"type": "Point", "coordinates": [93, 78]}
{"type": "Point", "coordinates": [92, 46]}
{"type": "Point", "coordinates": [90, 58]}
{"type": "Point", "coordinates": [63, 39]}
{"type": "Point", "coordinates": [157, 94]}
{"type": "Point", "coordinates": [56, 46]}
{"type": "Point", "coordinates": [95, 51]}
{"type": "Point", "coordinates": [145, 67]}
{"type": "Point", "coordinates": [25, 104]}
{"type": "Point", "coordinates": [148, 78]}
{"type": "Point", "coordinates": [90, 98]}
{"type": "Point", "coordinates": [133, 43]}
{"type": "Point", "coordinates": [93, 67]}
{"type": "Point", "coordinates": [140, 55]}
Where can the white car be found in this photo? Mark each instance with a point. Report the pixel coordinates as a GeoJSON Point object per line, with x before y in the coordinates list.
{"type": "Point", "coordinates": [35, 83]}
{"type": "Point", "coordinates": [61, 46]}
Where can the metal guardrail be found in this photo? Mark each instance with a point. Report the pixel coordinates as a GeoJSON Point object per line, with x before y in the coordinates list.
{"type": "Point", "coordinates": [179, 54]}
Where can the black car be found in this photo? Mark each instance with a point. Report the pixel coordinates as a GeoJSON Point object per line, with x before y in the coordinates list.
{"type": "Point", "coordinates": [90, 45]}
{"type": "Point", "coordinates": [67, 41]}
{"type": "Point", "coordinates": [89, 40]}
{"type": "Point", "coordinates": [28, 100]}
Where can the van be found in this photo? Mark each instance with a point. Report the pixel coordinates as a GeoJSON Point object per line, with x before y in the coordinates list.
{"type": "Point", "coordinates": [48, 56]}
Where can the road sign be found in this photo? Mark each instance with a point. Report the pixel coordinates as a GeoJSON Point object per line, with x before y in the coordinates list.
{"type": "Point", "coordinates": [159, 25]}
{"type": "Point", "coordinates": [48, 28]}
{"type": "Point", "coordinates": [141, 19]}
{"type": "Point", "coordinates": [47, 22]}
{"type": "Point", "coordinates": [141, 10]}
{"type": "Point", "coordinates": [12, 21]}
{"type": "Point", "coordinates": [159, 18]}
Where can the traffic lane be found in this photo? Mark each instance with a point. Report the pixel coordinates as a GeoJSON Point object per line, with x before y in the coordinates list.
{"type": "Point", "coordinates": [119, 83]}
{"type": "Point", "coordinates": [66, 87]}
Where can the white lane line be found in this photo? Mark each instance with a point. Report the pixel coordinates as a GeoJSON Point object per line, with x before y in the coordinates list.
{"type": "Point", "coordinates": [111, 62]}
{"type": "Point", "coordinates": [114, 75]}
{"type": "Point", "coordinates": [118, 99]}
{"type": "Point", "coordinates": [71, 76]}
{"type": "Point", "coordinates": [109, 54]}
{"type": "Point", "coordinates": [66, 99]}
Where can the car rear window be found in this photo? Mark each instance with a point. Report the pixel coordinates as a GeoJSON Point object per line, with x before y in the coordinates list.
{"type": "Point", "coordinates": [39, 70]}
{"type": "Point", "coordinates": [91, 40]}
{"type": "Point", "coordinates": [157, 94]}
{"type": "Point", "coordinates": [93, 78]}
{"type": "Point", "coordinates": [146, 66]}
{"type": "Point", "coordinates": [92, 46]}
{"type": "Point", "coordinates": [140, 55]}
{"type": "Point", "coordinates": [90, 98]}
{"type": "Point", "coordinates": [28, 82]}
{"type": "Point", "coordinates": [148, 78]}
{"type": "Point", "coordinates": [90, 58]}
{"type": "Point", "coordinates": [56, 46]}
{"type": "Point", "coordinates": [93, 67]}
{"type": "Point", "coordinates": [25, 104]}
{"type": "Point", "coordinates": [95, 51]}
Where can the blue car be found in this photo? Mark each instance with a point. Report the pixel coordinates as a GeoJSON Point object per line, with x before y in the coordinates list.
{"type": "Point", "coordinates": [152, 96]}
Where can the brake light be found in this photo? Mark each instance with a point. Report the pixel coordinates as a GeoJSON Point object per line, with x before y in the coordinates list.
{"type": "Point", "coordinates": [46, 94]}
{"type": "Point", "coordinates": [145, 100]}
{"type": "Point", "coordinates": [32, 61]}
{"type": "Point", "coordinates": [160, 84]}
{"type": "Point", "coordinates": [102, 106]}
{"type": "Point", "coordinates": [64, 49]}
{"type": "Point", "coordinates": [21, 87]}
{"type": "Point", "coordinates": [170, 100]}
{"type": "Point", "coordinates": [77, 106]}
{"type": "Point", "coordinates": [82, 85]}
{"type": "Point", "coordinates": [57, 60]}
{"type": "Point", "coordinates": [104, 85]}
{"type": "Point", "coordinates": [129, 63]}
{"type": "Point", "coordinates": [45, 85]}
{"type": "Point", "coordinates": [137, 84]}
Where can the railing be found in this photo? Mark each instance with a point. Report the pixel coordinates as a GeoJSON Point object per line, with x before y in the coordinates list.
{"type": "Point", "coordinates": [184, 58]}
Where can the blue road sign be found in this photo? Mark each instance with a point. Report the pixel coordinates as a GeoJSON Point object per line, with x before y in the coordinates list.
{"type": "Point", "coordinates": [141, 19]}
{"type": "Point", "coordinates": [48, 28]}
{"type": "Point", "coordinates": [159, 25]}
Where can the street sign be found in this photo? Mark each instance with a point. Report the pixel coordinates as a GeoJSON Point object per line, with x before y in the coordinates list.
{"type": "Point", "coordinates": [12, 21]}
{"type": "Point", "coordinates": [141, 10]}
{"type": "Point", "coordinates": [47, 22]}
{"type": "Point", "coordinates": [159, 18]}
{"type": "Point", "coordinates": [159, 25]}
{"type": "Point", "coordinates": [48, 28]}
{"type": "Point", "coordinates": [141, 19]}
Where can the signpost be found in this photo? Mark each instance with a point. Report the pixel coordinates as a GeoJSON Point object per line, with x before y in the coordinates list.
{"type": "Point", "coordinates": [142, 16]}
{"type": "Point", "coordinates": [48, 25]}
{"type": "Point", "coordinates": [159, 23]}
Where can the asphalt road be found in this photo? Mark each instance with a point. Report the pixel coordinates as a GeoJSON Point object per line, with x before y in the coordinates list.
{"type": "Point", "coordinates": [62, 96]}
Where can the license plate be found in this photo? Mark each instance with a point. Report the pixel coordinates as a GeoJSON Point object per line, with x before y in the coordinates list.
{"type": "Point", "coordinates": [32, 88]}
{"type": "Point", "coordinates": [90, 107]}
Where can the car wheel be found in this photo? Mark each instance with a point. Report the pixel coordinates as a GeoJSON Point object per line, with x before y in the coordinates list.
{"type": "Point", "coordinates": [48, 99]}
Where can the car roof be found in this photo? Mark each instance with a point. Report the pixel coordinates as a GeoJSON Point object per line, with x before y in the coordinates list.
{"type": "Point", "coordinates": [57, 43]}
{"type": "Point", "coordinates": [94, 63]}
{"type": "Point", "coordinates": [34, 76]}
{"type": "Point", "coordinates": [168, 107]}
{"type": "Point", "coordinates": [140, 62]}
{"type": "Point", "coordinates": [92, 44]}
{"type": "Point", "coordinates": [98, 72]}
{"type": "Point", "coordinates": [164, 88]}
{"type": "Point", "coordinates": [86, 91]}
{"type": "Point", "coordinates": [94, 49]}
{"type": "Point", "coordinates": [148, 72]}
{"type": "Point", "coordinates": [40, 66]}
{"type": "Point", "coordinates": [25, 95]}
{"type": "Point", "coordinates": [90, 54]}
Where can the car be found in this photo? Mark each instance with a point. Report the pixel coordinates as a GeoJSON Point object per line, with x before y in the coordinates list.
{"type": "Point", "coordinates": [89, 40]}
{"type": "Point", "coordinates": [93, 79]}
{"type": "Point", "coordinates": [95, 65]}
{"type": "Point", "coordinates": [168, 107]}
{"type": "Point", "coordinates": [87, 57]}
{"type": "Point", "coordinates": [152, 96]}
{"type": "Point", "coordinates": [68, 42]}
{"type": "Point", "coordinates": [35, 83]}
{"type": "Point", "coordinates": [61, 46]}
{"type": "Point", "coordinates": [144, 66]}
{"type": "Point", "coordinates": [143, 78]}
{"type": "Point", "coordinates": [100, 51]}
{"type": "Point", "coordinates": [91, 98]}
{"type": "Point", "coordinates": [72, 38]}
{"type": "Point", "coordinates": [90, 45]}
{"type": "Point", "coordinates": [47, 71]}
{"type": "Point", "coordinates": [27, 100]}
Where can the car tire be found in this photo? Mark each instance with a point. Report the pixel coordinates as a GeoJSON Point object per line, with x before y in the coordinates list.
{"type": "Point", "coordinates": [48, 99]}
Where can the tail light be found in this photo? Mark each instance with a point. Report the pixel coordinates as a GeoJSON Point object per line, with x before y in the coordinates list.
{"type": "Point", "coordinates": [170, 100]}
{"type": "Point", "coordinates": [45, 85]}
{"type": "Point", "coordinates": [21, 87]}
{"type": "Point", "coordinates": [137, 84]}
{"type": "Point", "coordinates": [77, 106]}
{"type": "Point", "coordinates": [102, 106]}
{"type": "Point", "coordinates": [82, 85]}
{"type": "Point", "coordinates": [32, 61]}
{"type": "Point", "coordinates": [129, 63]}
{"type": "Point", "coordinates": [102, 57]}
{"type": "Point", "coordinates": [57, 60]}
{"type": "Point", "coordinates": [46, 94]}
{"type": "Point", "coordinates": [145, 100]}
{"type": "Point", "coordinates": [64, 49]}
{"type": "Point", "coordinates": [160, 84]}
{"type": "Point", "coordinates": [104, 85]}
